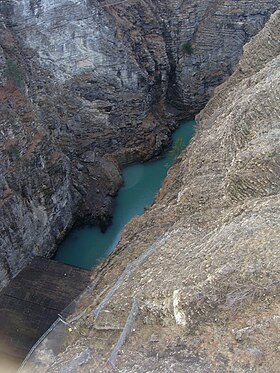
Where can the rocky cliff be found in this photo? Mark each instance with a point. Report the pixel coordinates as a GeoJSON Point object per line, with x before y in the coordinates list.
{"type": "Point", "coordinates": [87, 87]}
{"type": "Point", "coordinates": [203, 283]}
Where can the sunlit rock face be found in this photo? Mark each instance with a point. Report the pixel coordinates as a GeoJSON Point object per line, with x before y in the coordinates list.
{"type": "Point", "coordinates": [193, 44]}
{"type": "Point", "coordinates": [87, 87]}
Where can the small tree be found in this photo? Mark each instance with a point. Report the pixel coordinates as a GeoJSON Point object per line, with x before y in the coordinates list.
{"type": "Point", "coordinates": [186, 48]}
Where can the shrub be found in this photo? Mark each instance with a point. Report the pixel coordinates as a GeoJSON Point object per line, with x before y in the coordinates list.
{"type": "Point", "coordinates": [175, 151]}
{"type": "Point", "coordinates": [13, 73]}
{"type": "Point", "coordinates": [14, 152]}
{"type": "Point", "coordinates": [187, 48]}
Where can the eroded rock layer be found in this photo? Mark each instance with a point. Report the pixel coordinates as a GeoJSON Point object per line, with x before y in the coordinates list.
{"type": "Point", "coordinates": [87, 87]}
{"type": "Point", "coordinates": [202, 264]}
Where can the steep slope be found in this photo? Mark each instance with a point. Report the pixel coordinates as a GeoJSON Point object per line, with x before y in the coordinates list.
{"type": "Point", "coordinates": [202, 263]}
{"type": "Point", "coordinates": [87, 87]}
{"type": "Point", "coordinates": [34, 173]}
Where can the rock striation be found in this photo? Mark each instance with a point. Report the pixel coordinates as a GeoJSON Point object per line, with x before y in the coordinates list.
{"type": "Point", "coordinates": [87, 87]}
{"type": "Point", "coordinates": [205, 278]}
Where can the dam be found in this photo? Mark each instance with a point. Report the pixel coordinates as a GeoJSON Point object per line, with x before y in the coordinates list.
{"type": "Point", "coordinates": [31, 303]}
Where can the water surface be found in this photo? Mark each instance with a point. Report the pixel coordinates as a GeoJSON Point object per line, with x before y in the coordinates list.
{"type": "Point", "coordinates": [86, 247]}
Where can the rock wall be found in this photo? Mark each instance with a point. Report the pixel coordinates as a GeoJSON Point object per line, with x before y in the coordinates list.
{"type": "Point", "coordinates": [203, 262]}
{"type": "Point", "coordinates": [35, 175]}
{"type": "Point", "coordinates": [145, 48]}
{"type": "Point", "coordinates": [87, 87]}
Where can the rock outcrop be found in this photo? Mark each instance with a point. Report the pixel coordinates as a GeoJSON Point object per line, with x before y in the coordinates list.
{"type": "Point", "coordinates": [87, 87]}
{"type": "Point", "coordinates": [203, 262]}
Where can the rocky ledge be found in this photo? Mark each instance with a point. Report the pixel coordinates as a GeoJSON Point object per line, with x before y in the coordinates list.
{"type": "Point", "coordinates": [194, 282]}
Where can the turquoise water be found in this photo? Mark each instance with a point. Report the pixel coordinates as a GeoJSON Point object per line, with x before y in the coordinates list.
{"type": "Point", "coordinates": [86, 247]}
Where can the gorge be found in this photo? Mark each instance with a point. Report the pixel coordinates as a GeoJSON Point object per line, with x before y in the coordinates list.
{"type": "Point", "coordinates": [87, 88]}
{"type": "Point", "coordinates": [203, 284]}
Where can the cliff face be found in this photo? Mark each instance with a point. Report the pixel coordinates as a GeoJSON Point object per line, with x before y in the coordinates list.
{"type": "Point", "coordinates": [35, 175]}
{"type": "Point", "coordinates": [87, 87]}
{"type": "Point", "coordinates": [142, 48]}
{"type": "Point", "coordinates": [203, 262]}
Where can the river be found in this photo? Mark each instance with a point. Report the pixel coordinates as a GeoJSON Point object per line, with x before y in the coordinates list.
{"type": "Point", "coordinates": [88, 246]}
